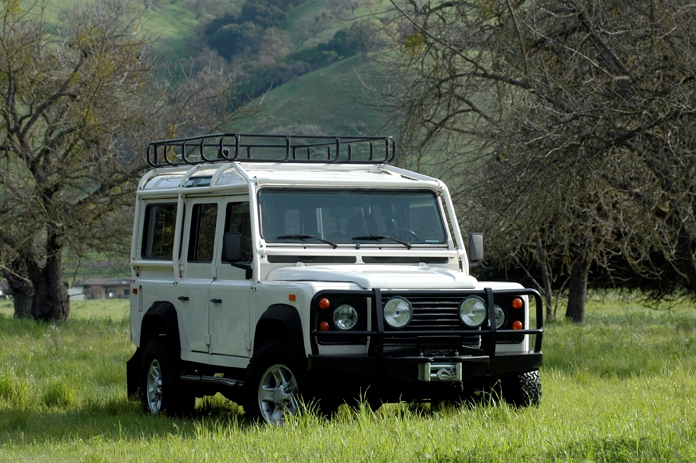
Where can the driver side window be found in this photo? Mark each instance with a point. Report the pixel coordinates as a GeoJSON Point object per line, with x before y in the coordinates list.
{"type": "Point", "coordinates": [238, 220]}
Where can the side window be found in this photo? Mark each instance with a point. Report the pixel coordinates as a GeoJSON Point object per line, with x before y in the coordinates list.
{"type": "Point", "coordinates": [202, 233]}
{"type": "Point", "coordinates": [158, 231]}
{"type": "Point", "coordinates": [238, 220]}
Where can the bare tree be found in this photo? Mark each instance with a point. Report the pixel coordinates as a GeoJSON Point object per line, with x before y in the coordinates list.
{"type": "Point", "coordinates": [78, 105]}
{"type": "Point", "coordinates": [579, 115]}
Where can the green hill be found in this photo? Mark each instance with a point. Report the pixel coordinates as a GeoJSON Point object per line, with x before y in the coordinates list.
{"type": "Point", "coordinates": [330, 100]}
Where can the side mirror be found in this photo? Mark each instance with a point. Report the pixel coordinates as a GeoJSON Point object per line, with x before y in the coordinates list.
{"type": "Point", "coordinates": [475, 250]}
{"type": "Point", "coordinates": [232, 247]}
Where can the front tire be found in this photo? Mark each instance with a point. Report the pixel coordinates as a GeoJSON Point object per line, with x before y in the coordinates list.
{"type": "Point", "coordinates": [275, 384]}
{"type": "Point", "coordinates": [523, 390]}
{"type": "Point", "coordinates": [161, 388]}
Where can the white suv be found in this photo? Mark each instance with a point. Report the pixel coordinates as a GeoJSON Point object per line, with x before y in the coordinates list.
{"type": "Point", "coordinates": [273, 268]}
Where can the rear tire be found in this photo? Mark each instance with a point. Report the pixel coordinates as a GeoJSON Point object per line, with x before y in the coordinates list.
{"type": "Point", "coordinates": [523, 390]}
{"type": "Point", "coordinates": [160, 385]}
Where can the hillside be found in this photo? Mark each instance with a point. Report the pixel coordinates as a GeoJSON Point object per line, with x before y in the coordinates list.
{"type": "Point", "coordinates": [330, 100]}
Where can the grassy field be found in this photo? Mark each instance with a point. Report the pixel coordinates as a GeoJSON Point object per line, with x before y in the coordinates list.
{"type": "Point", "coordinates": [620, 388]}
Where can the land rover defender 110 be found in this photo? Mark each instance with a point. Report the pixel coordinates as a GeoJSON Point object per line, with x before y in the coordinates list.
{"type": "Point", "coordinates": [276, 269]}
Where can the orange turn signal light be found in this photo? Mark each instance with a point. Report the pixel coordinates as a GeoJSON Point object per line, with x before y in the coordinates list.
{"type": "Point", "coordinates": [324, 326]}
{"type": "Point", "coordinates": [517, 303]}
{"type": "Point", "coordinates": [292, 297]}
{"type": "Point", "coordinates": [324, 303]}
{"type": "Point", "coordinates": [517, 325]}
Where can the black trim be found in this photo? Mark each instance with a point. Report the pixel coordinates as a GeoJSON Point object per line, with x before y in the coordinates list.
{"type": "Point", "coordinates": [312, 259]}
{"type": "Point", "coordinates": [404, 259]}
{"type": "Point", "coordinates": [489, 335]}
{"type": "Point", "coordinates": [354, 336]}
{"type": "Point", "coordinates": [133, 367]}
{"type": "Point", "coordinates": [161, 319]}
{"type": "Point", "coordinates": [289, 318]}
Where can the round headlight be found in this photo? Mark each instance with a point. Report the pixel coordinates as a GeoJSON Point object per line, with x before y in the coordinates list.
{"type": "Point", "coordinates": [472, 311]}
{"type": "Point", "coordinates": [499, 316]}
{"type": "Point", "coordinates": [398, 312]}
{"type": "Point", "coordinates": [345, 317]}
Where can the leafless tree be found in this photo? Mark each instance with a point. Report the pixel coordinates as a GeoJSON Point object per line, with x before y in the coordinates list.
{"type": "Point", "coordinates": [78, 105]}
{"type": "Point", "coordinates": [569, 123]}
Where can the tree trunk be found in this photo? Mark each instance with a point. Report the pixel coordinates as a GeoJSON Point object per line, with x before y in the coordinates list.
{"type": "Point", "coordinates": [51, 302]}
{"type": "Point", "coordinates": [577, 289]}
{"type": "Point", "coordinates": [22, 289]}
{"type": "Point", "coordinates": [545, 279]}
{"type": "Point", "coordinates": [685, 257]}
{"type": "Point", "coordinates": [39, 291]}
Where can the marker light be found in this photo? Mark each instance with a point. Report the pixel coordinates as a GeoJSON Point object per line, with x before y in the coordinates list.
{"type": "Point", "coordinates": [324, 326]}
{"type": "Point", "coordinates": [324, 303]}
{"type": "Point", "coordinates": [517, 325]}
{"type": "Point", "coordinates": [517, 303]}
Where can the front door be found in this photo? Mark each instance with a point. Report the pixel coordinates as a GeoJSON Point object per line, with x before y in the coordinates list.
{"type": "Point", "coordinates": [230, 292]}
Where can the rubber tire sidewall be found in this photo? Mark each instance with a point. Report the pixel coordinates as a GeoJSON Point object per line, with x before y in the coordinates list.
{"type": "Point", "coordinates": [272, 353]}
{"type": "Point", "coordinates": [176, 401]}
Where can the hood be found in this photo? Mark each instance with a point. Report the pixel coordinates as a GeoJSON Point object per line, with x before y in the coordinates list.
{"type": "Point", "coordinates": [378, 276]}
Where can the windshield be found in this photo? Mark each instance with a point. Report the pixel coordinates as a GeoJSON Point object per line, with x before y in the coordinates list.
{"type": "Point", "coordinates": [351, 216]}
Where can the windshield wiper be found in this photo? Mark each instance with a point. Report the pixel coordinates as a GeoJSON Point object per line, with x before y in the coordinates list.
{"type": "Point", "coordinates": [306, 237]}
{"type": "Point", "coordinates": [380, 237]}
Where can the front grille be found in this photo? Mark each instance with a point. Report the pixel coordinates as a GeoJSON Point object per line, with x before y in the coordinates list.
{"type": "Point", "coordinates": [437, 314]}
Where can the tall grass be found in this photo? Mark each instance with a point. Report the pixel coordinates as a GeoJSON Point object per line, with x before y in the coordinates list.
{"type": "Point", "coordinates": [620, 388]}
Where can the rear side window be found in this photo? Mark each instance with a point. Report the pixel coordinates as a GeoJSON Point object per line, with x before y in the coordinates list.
{"type": "Point", "coordinates": [158, 231]}
{"type": "Point", "coordinates": [202, 235]}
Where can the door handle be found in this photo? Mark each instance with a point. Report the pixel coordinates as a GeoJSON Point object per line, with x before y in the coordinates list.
{"type": "Point", "coordinates": [184, 298]}
{"type": "Point", "coordinates": [216, 301]}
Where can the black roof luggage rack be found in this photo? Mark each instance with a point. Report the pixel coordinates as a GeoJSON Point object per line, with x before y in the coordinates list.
{"type": "Point", "coordinates": [226, 147]}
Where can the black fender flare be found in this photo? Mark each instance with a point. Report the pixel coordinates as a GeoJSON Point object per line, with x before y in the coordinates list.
{"type": "Point", "coordinates": [161, 319]}
{"type": "Point", "coordinates": [286, 316]}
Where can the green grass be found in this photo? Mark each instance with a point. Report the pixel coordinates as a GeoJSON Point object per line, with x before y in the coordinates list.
{"type": "Point", "coordinates": [619, 388]}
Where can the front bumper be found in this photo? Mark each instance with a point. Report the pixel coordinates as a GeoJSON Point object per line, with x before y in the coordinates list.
{"type": "Point", "coordinates": [407, 368]}
{"type": "Point", "coordinates": [452, 348]}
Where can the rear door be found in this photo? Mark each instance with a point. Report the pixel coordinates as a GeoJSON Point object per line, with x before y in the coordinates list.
{"type": "Point", "coordinates": [193, 290]}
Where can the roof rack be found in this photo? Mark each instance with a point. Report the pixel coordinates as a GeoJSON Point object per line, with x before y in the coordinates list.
{"type": "Point", "coordinates": [226, 147]}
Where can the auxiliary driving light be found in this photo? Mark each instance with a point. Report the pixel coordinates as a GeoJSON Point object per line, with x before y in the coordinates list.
{"type": "Point", "coordinates": [398, 312]}
{"type": "Point", "coordinates": [472, 311]}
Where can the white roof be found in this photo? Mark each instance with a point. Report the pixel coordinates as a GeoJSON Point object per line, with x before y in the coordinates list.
{"type": "Point", "coordinates": [326, 175]}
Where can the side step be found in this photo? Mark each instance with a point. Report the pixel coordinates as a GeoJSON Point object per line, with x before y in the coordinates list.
{"type": "Point", "coordinates": [228, 382]}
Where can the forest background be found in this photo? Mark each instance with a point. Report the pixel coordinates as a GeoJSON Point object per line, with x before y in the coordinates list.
{"type": "Point", "coordinates": [562, 128]}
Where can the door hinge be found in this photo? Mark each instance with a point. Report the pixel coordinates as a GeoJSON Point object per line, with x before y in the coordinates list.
{"type": "Point", "coordinates": [207, 339]}
{"type": "Point", "coordinates": [247, 343]}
